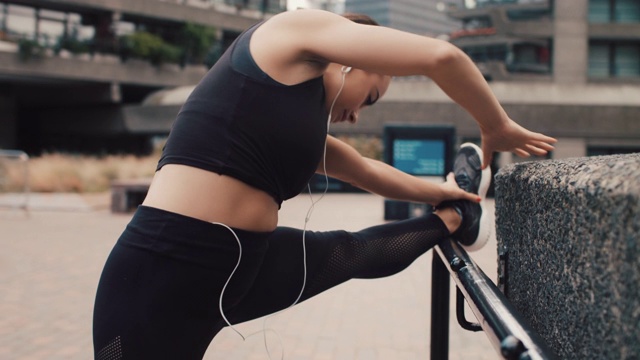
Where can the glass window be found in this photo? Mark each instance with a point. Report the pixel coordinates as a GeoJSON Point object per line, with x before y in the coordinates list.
{"type": "Point", "coordinates": [52, 15]}
{"type": "Point", "coordinates": [472, 4]}
{"type": "Point", "coordinates": [598, 60]}
{"type": "Point", "coordinates": [124, 28]}
{"type": "Point", "coordinates": [76, 29]}
{"type": "Point", "coordinates": [611, 59]}
{"type": "Point", "coordinates": [611, 150]}
{"type": "Point", "coordinates": [477, 23]}
{"type": "Point", "coordinates": [3, 20]}
{"type": "Point", "coordinates": [21, 20]}
{"type": "Point", "coordinates": [627, 11]}
{"type": "Point", "coordinates": [497, 52]}
{"type": "Point", "coordinates": [627, 61]}
{"type": "Point", "coordinates": [622, 11]}
{"type": "Point", "coordinates": [530, 58]}
{"type": "Point", "coordinates": [599, 11]}
{"type": "Point", "coordinates": [524, 15]}
{"type": "Point", "coordinates": [486, 53]}
{"type": "Point", "coordinates": [525, 54]}
{"type": "Point", "coordinates": [50, 31]}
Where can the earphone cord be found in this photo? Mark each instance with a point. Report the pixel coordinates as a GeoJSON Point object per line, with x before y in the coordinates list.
{"type": "Point", "coordinates": [230, 276]}
{"type": "Point", "coordinates": [326, 188]}
{"type": "Point", "coordinates": [304, 246]}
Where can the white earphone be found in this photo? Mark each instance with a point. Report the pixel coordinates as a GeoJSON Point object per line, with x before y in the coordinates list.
{"type": "Point", "coordinates": [345, 70]}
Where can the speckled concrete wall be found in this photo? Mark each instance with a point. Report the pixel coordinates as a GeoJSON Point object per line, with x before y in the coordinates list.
{"type": "Point", "coordinates": [571, 229]}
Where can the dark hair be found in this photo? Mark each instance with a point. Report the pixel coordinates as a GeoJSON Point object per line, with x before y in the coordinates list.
{"type": "Point", "coordinates": [361, 19]}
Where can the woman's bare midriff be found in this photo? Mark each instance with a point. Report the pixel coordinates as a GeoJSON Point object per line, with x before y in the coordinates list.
{"type": "Point", "coordinates": [212, 197]}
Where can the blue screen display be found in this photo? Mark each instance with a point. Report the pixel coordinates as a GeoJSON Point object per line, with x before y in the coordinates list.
{"type": "Point", "coordinates": [419, 156]}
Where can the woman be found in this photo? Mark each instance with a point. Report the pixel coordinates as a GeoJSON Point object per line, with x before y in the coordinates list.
{"type": "Point", "coordinates": [204, 250]}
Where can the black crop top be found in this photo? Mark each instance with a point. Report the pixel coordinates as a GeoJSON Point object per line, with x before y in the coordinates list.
{"type": "Point", "coordinates": [241, 123]}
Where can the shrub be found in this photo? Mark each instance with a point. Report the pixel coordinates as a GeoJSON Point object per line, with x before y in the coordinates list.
{"type": "Point", "coordinates": [369, 146]}
{"type": "Point", "coordinates": [29, 49]}
{"type": "Point", "coordinates": [147, 46]}
{"type": "Point", "coordinates": [197, 40]}
{"type": "Point", "coordinates": [71, 43]}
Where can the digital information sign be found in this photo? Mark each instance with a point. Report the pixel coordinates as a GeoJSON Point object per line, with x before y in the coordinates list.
{"type": "Point", "coordinates": [419, 157]}
{"type": "Point", "coordinates": [423, 151]}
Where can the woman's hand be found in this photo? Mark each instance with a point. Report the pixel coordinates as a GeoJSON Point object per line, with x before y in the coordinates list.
{"type": "Point", "coordinates": [451, 191]}
{"type": "Point", "coordinates": [513, 137]}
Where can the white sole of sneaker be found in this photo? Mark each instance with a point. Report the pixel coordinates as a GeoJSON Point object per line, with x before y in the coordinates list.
{"type": "Point", "coordinates": [485, 219]}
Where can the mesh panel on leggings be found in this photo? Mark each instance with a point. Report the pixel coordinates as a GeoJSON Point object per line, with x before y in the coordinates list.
{"type": "Point", "coordinates": [374, 254]}
{"type": "Point", "coordinates": [113, 351]}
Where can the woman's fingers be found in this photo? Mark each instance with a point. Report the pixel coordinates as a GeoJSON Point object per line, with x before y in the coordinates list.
{"type": "Point", "coordinates": [472, 197]}
{"type": "Point", "coordinates": [535, 150]}
{"type": "Point", "coordinates": [543, 145]}
{"type": "Point", "coordinates": [521, 152]}
{"type": "Point", "coordinates": [520, 141]}
{"type": "Point", "coordinates": [451, 177]}
{"type": "Point", "coordinates": [546, 139]}
{"type": "Point", "coordinates": [456, 192]}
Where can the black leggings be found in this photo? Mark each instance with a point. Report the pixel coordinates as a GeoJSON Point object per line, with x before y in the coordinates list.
{"type": "Point", "coordinates": [159, 291]}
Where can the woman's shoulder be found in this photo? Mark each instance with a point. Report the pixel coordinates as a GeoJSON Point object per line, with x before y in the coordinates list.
{"type": "Point", "coordinates": [283, 45]}
{"type": "Point", "coordinates": [304, 18]}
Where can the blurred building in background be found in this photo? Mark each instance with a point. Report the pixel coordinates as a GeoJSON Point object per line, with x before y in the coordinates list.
{"type": "Point", "coordinates": [423, 17]}
{"type": "Point", "coordinates": [72, 72]}
{"type": "Point", "coordinates": [335, 6]}
{"type": "Point", "coordinates": [110, 75]}
{"type": "Point", "coordinates": [567, 68]}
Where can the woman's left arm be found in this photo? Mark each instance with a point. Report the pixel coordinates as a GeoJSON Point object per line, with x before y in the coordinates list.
{"type": "Point", "coordinates": [343, 162]}
{"type": "Point", "coordinates": [382, 50]}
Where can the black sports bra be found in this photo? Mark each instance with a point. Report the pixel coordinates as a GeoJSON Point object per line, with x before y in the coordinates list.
{"type": "Point", "coordinates": [240, 122]}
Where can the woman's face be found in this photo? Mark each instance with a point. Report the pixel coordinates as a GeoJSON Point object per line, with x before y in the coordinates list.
{"type": "Point", "coordinates": [360, 89]}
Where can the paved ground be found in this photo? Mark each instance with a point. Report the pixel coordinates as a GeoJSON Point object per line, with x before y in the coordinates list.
{"type": "Point", "coordinates": [51, 260]}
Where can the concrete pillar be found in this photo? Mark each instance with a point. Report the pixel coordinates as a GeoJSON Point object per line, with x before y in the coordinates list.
{"type": "Point", "coordinates": [569, 234]}
{"type": "Point", "coordinates": [116, 92]}
{"type": "Point", "coordinates": [569, 148]}
{"type": "Point", "coordinates": [505, 159]}
{"type": "Point", "coordinates": [570, 42]}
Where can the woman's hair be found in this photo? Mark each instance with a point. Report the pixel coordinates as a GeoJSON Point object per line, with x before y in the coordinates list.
{"type": "Point", "coordinates": [361, 19]}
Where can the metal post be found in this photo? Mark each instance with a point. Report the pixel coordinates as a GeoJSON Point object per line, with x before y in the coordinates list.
{"type": "Point", "coordinates": [440, 286]}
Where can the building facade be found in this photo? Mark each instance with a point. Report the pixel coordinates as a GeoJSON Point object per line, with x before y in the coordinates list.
{"type": "Point", "coordinates": [423, 17]}
{"type": "Point", "coordinates": [544, 61]}
{"type": "Point", "coordinates": [72, 72]}
{"type": "Point", "coordinates": [582, 41]}
{"type": "Point", "coordinates": [591, 45]}
{"type": "Point", "coordinates": [570, 69]}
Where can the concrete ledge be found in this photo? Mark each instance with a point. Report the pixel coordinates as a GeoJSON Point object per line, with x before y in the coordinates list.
{"type": "Point", "coordinates": [571, 231]}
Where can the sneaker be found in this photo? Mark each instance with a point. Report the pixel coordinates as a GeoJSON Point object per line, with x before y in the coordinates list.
{"type": "Point", "coordinates": [475, 229]}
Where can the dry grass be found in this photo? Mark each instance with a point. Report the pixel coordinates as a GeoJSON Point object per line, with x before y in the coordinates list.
{"type": "Point", "coordinates": [90, 174]}
{"type": "Point", "coordinates": [369, 146]}
{"type": "Point", "coordinates": [74, 173]}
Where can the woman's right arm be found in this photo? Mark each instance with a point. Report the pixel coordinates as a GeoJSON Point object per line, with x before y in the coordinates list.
{"type": "Point", "coordinates": [345, 163]}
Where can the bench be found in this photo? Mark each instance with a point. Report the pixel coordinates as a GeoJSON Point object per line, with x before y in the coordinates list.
{"type": "Point", "coordinates": [126, 195]}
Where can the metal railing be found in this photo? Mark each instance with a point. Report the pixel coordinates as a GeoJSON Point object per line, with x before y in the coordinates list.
{"type": "Point", "coordinates": [22, 160]}
{"type": "Point", "coordinates": [507, 331]}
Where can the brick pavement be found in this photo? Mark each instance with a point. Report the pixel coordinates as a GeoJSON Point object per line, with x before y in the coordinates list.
{"type": "Point", "coordinates": [51, 261]}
